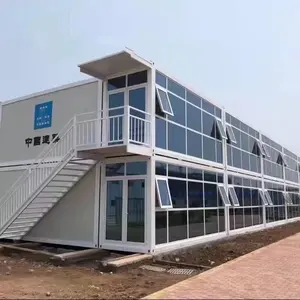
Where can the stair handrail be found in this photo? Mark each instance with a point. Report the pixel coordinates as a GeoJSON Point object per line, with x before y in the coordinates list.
{"type": "Point", "coordinates": [39, 159]}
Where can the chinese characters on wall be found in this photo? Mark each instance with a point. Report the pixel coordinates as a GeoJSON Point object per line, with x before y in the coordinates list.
{"type": "Point", "coordinates": [41, 140]}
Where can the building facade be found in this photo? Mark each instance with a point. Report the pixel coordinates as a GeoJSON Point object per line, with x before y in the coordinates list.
{"type": "Point", "coordinates": [160, 166]}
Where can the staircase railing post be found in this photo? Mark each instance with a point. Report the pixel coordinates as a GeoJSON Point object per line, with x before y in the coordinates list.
{"type": "Point", "coordinates": [126, 124]}
{"type": "Point", "coordinates": [74, 133]}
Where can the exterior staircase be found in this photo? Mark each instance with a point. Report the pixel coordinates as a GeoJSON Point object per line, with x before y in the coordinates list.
{"type": "Point", "coordinates": [55, 171]}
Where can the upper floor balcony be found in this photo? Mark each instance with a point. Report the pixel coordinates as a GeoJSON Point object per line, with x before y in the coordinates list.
{"type": "Point", "coordinates": [116, 130]}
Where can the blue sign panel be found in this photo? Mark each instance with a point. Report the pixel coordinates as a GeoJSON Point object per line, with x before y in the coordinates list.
{"type": "Point", "coordinates": [43, 115]}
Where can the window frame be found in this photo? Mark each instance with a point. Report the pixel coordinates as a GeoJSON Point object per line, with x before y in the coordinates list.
{"type": "Point", "coordinates": [170, 113]}
{"type": "Point", "coordinates": [230, 133]}
{"type": "Point", "coordinates": [263, 198]}
{"type": "Point", "coordinates": [226, 201]}
{"type": "Point", "coordinates": [233, 197]}
{"type": "Point", "coordinates": [221, 128]}
{"type": "Point", "coordinates": [268, 198]}
{"type": "Point", "coordinates": [287, 198]}
{"type": "Point", "coordinates": [158, 192]}
{"type": "Point", "coordinates": [285, 163]}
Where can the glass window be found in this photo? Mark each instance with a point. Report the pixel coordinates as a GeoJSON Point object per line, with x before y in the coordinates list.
{"type": "Point", "coordinates": [208, 107]}
{"type": "Point", "coordinates": [268, 198]}
{"type": "Point", "coordinates": [210, 176]}
{"type": "Point", "coordinates": [164, 101]}
{"type": "Point", "coordinates": [176, 138]}
{"type": "Point", "coordinates": [137, 78]}
{"type": "Point", "coordinates": [176, 88]}
{"type": "Point", "coordinates": [160, 133]}
{"type": "Point", "coordinates": [195, 174]}
{"type": "Point", "coordinates": [218, 112]}
{"type": "Point", "coordinates": [194, 144]}
{"type": "Point", "coordinates": [245, 141]}
{"type": "Point", "coordinates": [219, 153]}
{"type": "Point", "coordinates": [178, 193]}
{"type": "Point", "coordinates": [265, 149]}
{"type": "Point", "coordinates": [161, 227]}
{"type": "Point", "coordinates": [235, 122]}
{"type": "Point", "coordinates": [223, 194]}
{"type": "Point", "coordinates": [116, 100]}
{"type": "Point", "coordinates": [176, 171]}
{"type": "Point", "coordinates": [193, 117]}
{"type": "Point", "coordinates": [210, 195]}
{"type": "Point", "coordinates": [195, 194]}
{"type": "Point", "coordinates": [178, 107]}
{"type": "Point", "coordinates": [116, 83]}
{"type": "Point", "coordinates": [211, 221]}
{"type": "Point", "coordinates": [209, 125]}
{"type": "Point", "coordinates": [137, 99]}
{"type": "Point", "coordinates": [247, 197]}
{"type": "Point", "coordinates": [160, 168]}
{"type": "Point", "coordinates": [233, 197]}
{"type": "Point", "coordinates": [196, 223]}
{"type": "Point", "coordinates": [161, 79]}
{"type": "Point", "coordinates": [177, 225]}
{"type": "Point", "coordinates": [136, 168]}
{"type": "Point", "coordinates": [237, 157]}
{"type": "Point", "coordinates": [230, 134]}
{"type": "Point", "coordinates": [209, 148]}
{"type": "Point", "coordinates": [115, 169]}
{"type": "Point", "coordinates": [261, 149]}
{"type": "Point", "coordinates": [245, 160]}
{"type": "Point", "coordinates": [163, 193]}
{"type": "Point", "coordinates": [193, 98]}
{"type": "Point", "coordinates": [221, 129]}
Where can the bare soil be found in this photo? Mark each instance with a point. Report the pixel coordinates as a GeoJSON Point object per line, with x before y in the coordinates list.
{"type": "Point", "coordinates": [219, 252]}
{"type": "Point", "coordinates": [22, 278]}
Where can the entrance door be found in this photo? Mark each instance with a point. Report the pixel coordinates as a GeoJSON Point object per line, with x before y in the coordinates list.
{"type": "Point", "coordinates": [125, 212]}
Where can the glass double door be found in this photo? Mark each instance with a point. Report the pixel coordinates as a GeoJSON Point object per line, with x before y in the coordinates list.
{"type": "Point", "coordinates": [125, 210]}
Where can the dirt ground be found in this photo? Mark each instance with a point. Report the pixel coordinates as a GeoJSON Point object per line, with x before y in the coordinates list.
{"type": "Point", "coordinates": [218, 253]}
{"type": "Point", "coordinates": [21, 278]}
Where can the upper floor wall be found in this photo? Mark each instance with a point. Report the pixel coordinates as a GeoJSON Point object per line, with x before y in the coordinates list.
{"type": "Point", "coordinates": [29, 124]}
{"type": "Point", "coordinates": [192, 126]}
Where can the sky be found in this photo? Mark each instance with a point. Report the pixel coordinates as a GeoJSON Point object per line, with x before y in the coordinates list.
{"type": "Point", "coordinates": [243, 55]}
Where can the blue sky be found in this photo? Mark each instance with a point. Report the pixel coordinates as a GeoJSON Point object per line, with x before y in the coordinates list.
{"type": "Point", "coordinates": [242, 54]}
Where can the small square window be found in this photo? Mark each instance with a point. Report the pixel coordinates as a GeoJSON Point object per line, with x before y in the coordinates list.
{"type": "Point", "coordinates": [230, 134]}
{"type": "Point", "coordinates": [221, 129]}
{"type": "Point", "coordinates": [223, 195]}
{"type": "Point", "coordinates": [164, 101]}
{"type": "Point", "coordinates": [233, 197]}
{"type": "Point", "coordinates": [263, 198]}
{"type": "Point", "coordinates": [163, 193]}
{"type": "Point", "coordinates": [268, 198]}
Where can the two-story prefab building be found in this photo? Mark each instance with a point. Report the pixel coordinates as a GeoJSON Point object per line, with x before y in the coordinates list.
{"type": "Point", "coordinates": [133, 160]}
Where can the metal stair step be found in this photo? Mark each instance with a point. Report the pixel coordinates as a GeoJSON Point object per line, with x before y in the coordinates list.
{"type": "Point", "coordinates": [75, 173]}
{"type": "Point", "coordinates": [45, 200]}
{"type": "Point", "coordinates": [16, 230]}
{"type": "Point", "coordinates": [64, 179]}
{"type": "Point", "coordinates": [60, 184]}
{"type": "Point", "coordinates": [86, 162]}
{"type": "Point", "coordinates": [29, 216]}
{"type": "Point", "coordinates": [40, 205]}
{"type": "Point", "coordinates": [34, 210]}
{"type": "Point", "coordinates": [24, 221]}
{"type": "Point", "coordinates": [76, 167]}
{"type": "Point", "coordinates": [21, 225]}
{"type": "Point", "coordinates": [55, 189]}
{"type": "Point", "coordinates": [12, 236]}
{"type": "Point", "coordinates": [45, 194]}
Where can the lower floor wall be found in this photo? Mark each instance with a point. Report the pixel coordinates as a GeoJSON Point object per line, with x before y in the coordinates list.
{"type": "Point", "coordinates": [93, 214]}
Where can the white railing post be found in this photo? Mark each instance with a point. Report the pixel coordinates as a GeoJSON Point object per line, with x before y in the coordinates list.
{"type": "Point", "coordinates": [74, 132]}
{"type": "Point", "coordinates": [126, 125]}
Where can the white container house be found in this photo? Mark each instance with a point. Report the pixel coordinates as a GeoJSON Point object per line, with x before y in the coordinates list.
{"type": "Point", "coordinates": [133, 160]}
